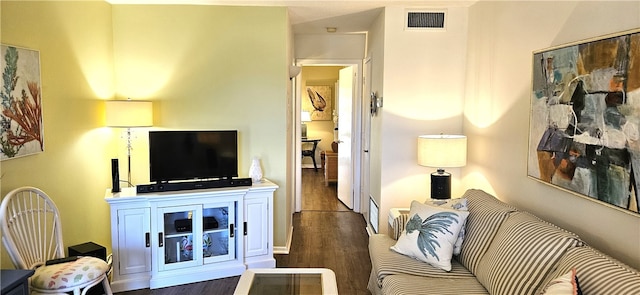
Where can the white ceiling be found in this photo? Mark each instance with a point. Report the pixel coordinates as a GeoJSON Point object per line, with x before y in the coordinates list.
{"type": "Point", "coordinates": [313, 16]}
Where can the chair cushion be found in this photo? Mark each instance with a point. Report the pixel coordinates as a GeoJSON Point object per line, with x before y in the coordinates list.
{"type": "Point", "coordinates": [68, 275]}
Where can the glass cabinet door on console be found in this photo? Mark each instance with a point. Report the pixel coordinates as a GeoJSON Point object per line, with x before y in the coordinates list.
{"type": "Point", "coordinates": [219, 232]}
{"type": "Point", "coordinates": [179, 238]}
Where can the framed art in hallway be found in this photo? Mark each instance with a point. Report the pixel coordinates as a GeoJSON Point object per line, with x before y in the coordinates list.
{"type": "Point", "coordinates": [318, 101]}
{"type": "Point", "coordinates": [584, 128]}
{"type": "Point", "coordinates": [21, 132]}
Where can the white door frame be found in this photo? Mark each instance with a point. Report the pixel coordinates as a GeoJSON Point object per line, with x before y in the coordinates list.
{"type": "Point", "coordinates": [365, 141]}
{"type": "Point", "coordinates": [356, 147]}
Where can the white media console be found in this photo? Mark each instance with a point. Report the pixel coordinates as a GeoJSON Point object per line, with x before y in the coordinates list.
{"type": "Point", "coordinates": [170, 238]}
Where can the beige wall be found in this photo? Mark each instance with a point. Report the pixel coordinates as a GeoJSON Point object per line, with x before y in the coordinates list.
{"type": "Point", "coordinates": [208, 67]}
{"type": "Point", "coordinates": [422, 87]}
{"type": "Point", "coordinates": [330, 46]}
{"type": "Point", "coordinates": [204, 67]}
{"type": "Point", "coordinates": [76, 61]}
{"type": "Point", "coordinates": [375, 55]}
{"type": "Point", "coordinates": [502, 37]}
{"type": "Point", "coordinates": [286, 225]}
{"type": "Point", "coordinates": [491, 87]}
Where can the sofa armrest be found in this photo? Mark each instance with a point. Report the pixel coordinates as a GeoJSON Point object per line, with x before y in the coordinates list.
{"type": "Point", "coordinates": [397, 220]}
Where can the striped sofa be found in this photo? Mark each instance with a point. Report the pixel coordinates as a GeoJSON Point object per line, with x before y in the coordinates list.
{"type": "Point", "coordinates": [505, 252]}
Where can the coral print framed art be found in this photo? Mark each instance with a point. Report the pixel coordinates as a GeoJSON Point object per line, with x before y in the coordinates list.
{"type": "Point", "coordinates": [21, 103]}
{"type": "Point", "coordinates": [584, 133]}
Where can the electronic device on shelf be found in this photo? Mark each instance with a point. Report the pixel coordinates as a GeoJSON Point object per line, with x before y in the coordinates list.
{"type": "Point", "coordinates": [192, 185]}
{"type": "Point", "coordinates": [182, 225]}
{"type": "Point", "coordinates": [185, 225]}
{"type": "Point", "coordinates": [209, 222]}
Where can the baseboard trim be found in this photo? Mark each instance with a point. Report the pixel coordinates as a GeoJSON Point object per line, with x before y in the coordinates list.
{"type": "Point", "coordinates": [370, 231]}
{"type": "Point", "coordinates": [285, 250]}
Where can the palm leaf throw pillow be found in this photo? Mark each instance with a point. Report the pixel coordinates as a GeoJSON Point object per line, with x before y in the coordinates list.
{"type": "Point", "coordinates": [457, 204]}
{"type": "Point", "coordinates": [430, 234]}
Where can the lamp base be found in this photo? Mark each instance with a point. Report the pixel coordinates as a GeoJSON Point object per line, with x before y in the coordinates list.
{"type": "Point", "coordinates": [441, 185]}
{"type": "Point", "coordinates": [304, 131]}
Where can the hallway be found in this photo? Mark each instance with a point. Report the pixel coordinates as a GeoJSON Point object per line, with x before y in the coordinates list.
{"type": "Point", "coordinates": [318, 197]}
{"type": "Point", "coordinates": [327, 234]}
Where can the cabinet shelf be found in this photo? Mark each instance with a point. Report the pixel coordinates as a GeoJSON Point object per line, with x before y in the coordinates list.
{"type": "Point", "coordinates": [212, 231]}
{"type": "Point", "coordinates": [177, 234]}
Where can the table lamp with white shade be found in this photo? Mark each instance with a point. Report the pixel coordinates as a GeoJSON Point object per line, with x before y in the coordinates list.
{"type": "Point", "coordinates": [442, 151]}
{"type": "Point", "coordinates": [129, 114]}
{"type": "Point", "coordinates": [305, 117]}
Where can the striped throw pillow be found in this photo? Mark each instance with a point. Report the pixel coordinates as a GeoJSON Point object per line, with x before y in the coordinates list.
{"type": "Point", "coordinates": [523, 252]}
{"type": "Point", "coordinates": [398, 225]}
{"type": "Point", "coordinates": [486, 214]}
{"type": "Point", "coordinates": [598, 273]}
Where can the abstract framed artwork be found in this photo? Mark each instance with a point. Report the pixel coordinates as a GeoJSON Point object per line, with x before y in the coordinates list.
{"type": "Point", "coordinates": [319, 102]}
{"type": "Point", "coordinates": [21, 103]}
{"type": "Point", "coordinates": [584, 133]}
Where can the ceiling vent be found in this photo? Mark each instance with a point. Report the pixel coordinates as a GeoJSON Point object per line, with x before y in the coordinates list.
{"type": "Point", "coordinates": [425, 20]}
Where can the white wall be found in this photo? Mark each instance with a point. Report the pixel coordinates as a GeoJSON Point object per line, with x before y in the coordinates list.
{"type": "Point", "coordinates": [502, 37]}
{"type": "Point", "coordinates": [423, 81]}
{"type": "Point", "coordinates": [292, 155]}
{"type": "Point", "coordinates": [330, 46]}
{"type": "Point", "coordinates": [375, 54]}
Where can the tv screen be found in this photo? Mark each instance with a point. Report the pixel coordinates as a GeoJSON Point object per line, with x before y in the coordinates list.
{"type": "Point", "coordinates": [184, 155]}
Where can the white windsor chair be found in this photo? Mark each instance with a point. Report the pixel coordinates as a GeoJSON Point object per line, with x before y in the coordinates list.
{"type": "Point", "coordinates": [32, 234]}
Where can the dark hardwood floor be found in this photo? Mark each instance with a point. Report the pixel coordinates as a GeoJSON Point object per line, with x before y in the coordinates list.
{"type": "Point", "coordinates": [318, 197]}
{"type": "Point", "coordinates": [326, 234]}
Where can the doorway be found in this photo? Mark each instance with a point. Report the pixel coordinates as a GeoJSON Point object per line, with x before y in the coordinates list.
{"type": "Point", "coordinates": [347, 137]}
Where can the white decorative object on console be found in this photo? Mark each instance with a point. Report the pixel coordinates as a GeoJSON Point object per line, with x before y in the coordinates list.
{"type": "Point", "coordinates": [255, 171]}
{"type": "Point", "coordinates": [157, 240]}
